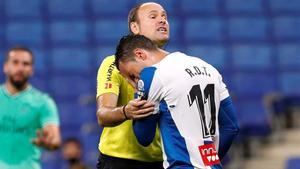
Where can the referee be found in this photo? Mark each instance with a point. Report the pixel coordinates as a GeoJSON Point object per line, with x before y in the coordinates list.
{"type": "Point", "coordinates": [116, 106]}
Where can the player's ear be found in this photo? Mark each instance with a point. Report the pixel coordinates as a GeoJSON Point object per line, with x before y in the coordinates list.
{"type": "Point", "coordinates": [31, 67]}
{"type": "Point", "coordinates": [5, 68]}
{"type": "Point", "coordinates": [31, 72]}
{"type": "Point", "coordinates": [140, 54]}
{"type": "Point", "coordinates": [134, 27]}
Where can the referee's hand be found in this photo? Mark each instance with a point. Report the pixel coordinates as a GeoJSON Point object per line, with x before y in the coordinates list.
{"type": "Point", "coordinates": [137, 109]}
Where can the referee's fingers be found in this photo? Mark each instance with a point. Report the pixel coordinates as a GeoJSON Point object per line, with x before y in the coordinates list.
{"type": "Point", "coordinates": [137, 102]}
{"type": "Point", "coordinates": [140, 116]}
{"type": "Point", "coordinates": [147, 104]}
{"type": "Point", "coordinates": [145, 111]}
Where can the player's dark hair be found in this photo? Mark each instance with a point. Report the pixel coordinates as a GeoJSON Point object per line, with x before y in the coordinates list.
{"type": "Point", "coordinates": [127, 44]}
{"type": "Point", "coordinates": [133, 16]}
{"type": "Point", "coordinates": [72, 140]}
{"type": "Point", "coordinates": [19, 48]}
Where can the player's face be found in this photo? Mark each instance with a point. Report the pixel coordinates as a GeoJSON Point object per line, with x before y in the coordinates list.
{"type": "Point", "coordinates": [18, 68]}
{"type": "Point", "coordinates": [71, 151]}
{"type": "Point", "coordinates": [131, 71]}
{"type": "Point", "coordinates": [153, 23]}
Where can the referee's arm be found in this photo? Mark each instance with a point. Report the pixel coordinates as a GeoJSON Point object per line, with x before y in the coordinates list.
{"type": "Point", "coordinates": [109, 115]}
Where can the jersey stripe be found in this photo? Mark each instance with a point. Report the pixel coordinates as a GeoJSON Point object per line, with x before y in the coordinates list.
{"type": "Point", "coordinates": [147, 75]}
{"type": "Point", "coordinates": [174, 144]}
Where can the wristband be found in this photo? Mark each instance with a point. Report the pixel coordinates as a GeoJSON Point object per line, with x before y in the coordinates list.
{"type": "Point", "coordinates": [125, 112]}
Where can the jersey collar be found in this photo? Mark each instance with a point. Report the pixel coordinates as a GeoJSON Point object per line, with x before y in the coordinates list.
{"type": "Point", "coordinates": [14, 96]}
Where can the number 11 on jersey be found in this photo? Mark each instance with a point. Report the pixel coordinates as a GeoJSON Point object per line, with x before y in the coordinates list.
{"type": "Point", "coordinates": [195, 95]}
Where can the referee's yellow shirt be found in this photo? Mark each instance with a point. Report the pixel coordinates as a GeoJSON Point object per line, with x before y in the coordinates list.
{"type": "Point", "coordinates": [120, 141]}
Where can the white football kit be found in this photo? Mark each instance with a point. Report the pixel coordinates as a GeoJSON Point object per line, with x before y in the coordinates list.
{"type": "Point", "coordinates": [187, 92]}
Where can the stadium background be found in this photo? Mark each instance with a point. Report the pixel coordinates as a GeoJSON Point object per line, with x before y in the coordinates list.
{"type": "Point", "coordinates": [254, 43]}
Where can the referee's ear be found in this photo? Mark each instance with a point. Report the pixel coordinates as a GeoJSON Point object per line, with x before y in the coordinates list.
{"type": "Point", "coordinates": [134, 27]}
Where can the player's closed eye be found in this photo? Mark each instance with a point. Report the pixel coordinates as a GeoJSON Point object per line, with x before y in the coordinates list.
{"type": "Point", "coordinates": [15, 62]}
{"type": "Point", "coordinates": [26, 63]}
{"type": "Point", "coordinates": [132, 77]}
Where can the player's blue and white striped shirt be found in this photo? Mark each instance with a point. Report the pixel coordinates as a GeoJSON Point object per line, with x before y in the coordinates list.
{"type": "Point", "coordinates": [187, 92]}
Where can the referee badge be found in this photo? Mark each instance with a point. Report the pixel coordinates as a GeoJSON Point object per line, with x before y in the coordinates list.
{"type": "Point", "coordinates": [108, 86]}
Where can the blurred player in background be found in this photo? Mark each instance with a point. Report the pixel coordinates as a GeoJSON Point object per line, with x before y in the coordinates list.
{"type": "Point", "coordinates": [28, 117]}
{"type": "Point", "coordinates": [118, 146]}
{"type": "Point", "coordinates": [72, 153]}
{"type": "Point", "coordinates": [189, 95]}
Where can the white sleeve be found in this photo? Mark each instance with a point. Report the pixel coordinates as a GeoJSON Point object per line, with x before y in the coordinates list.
{"type": "Point", "coordinates": [222, 88]}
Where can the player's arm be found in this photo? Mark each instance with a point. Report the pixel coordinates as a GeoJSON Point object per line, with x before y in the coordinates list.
{"type": "Point", "coordinates": [108, 114]}
{"type": "Point", "coordinates": [228, 126]}
{"type": "Point", "coordinates": [48, 136]}
{"type": "Point", "coordinates": [151, 90]}
{"type": "Point", "coordinates": [144, 129]}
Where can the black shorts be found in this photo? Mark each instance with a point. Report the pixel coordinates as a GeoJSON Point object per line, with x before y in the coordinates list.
{"type": "Point", "coordinates": [108, 162]}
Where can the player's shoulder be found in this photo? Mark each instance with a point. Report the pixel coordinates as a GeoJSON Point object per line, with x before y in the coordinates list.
{"type": "Point", "coordinates": [2, 90]}
{"type": "Point", "coordinates": [39, 95]}
{"type": "Point", "coordinates": [204, 63]}
{"type": "Point", "coordinates": [173, 58]}
{"type": "Point", "coordinates": [148, 71]}
{"type": "Point", "coordinates": [35, 92]}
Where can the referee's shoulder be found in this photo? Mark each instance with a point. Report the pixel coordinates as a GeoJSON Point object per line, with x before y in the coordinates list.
{"type": "Point", "coordinates": [107, 67]}
{"type": "Point", "coordinates": [108, 60]}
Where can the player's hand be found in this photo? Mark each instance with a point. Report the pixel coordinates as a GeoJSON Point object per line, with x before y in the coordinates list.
{"type": "Point", "coordinates": [43, 138]}
{"type": "Point", "coordinates": [46, 138]}
{"type": "Point", "coordinates": [137, 109]}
